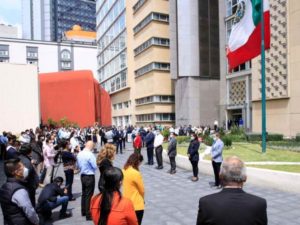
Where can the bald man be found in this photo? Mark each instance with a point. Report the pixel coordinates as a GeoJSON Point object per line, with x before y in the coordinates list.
{"type": "Point", "coordinates": [232, 205]}
{"type": "Point", "coordinates": [86, 163]}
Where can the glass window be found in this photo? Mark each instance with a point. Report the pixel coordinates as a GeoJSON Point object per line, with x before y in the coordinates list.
{"type": "Point", "coordinates": [65, 55]}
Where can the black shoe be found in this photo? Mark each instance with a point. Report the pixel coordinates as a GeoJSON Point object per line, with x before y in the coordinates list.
{"type": "Point", "coordinates": [159, 167]}
{"type": "Point", "coordinates": [65, 215]}
{"type": "Point", "coordinates": [173, 172]}
{"type": "Point", "coordinates": [88, 218]}
{"type": "Point", "coordinates": [72, 199]}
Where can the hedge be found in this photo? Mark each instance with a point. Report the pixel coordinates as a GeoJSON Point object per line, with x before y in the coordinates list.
{"type": "Point", "coordinates": [182, 139]}
{"type": "Point", "coordinates": [227, 141]}
{"type": "Point", "coordinates": [298, 137]}
{"type": "Point", "coordinates": [257, 137]}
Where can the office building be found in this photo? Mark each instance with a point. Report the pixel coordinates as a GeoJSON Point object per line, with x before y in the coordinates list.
{"type": "Point", "coordinates": [49, 56]}
{"type": "Point", "coordinates": [49, 19]}
{"type": "Point", "coordinates": [241, 89]}
{"type": "Point", "coordinates": [8, 31]}
{"type": "Point", "coordinates": [195, 60]}
{"type": "Point", "coordinates": [134, 60]}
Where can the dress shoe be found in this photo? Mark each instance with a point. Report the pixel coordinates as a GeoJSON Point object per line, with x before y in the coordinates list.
{"type": "Point", "coordinates": [159, 167]}
{"type": "Point", "coordinates": [173, 172]}
{"type": "Point", "coordinates": [194, 179]}
{"type": "Point", "coordinates": [72, 199]}
{"type": "Point", "coordinates": [65, 215]}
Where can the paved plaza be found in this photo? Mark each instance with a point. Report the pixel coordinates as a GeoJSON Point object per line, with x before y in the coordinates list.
{"type": "Point", "coordinates": [173, 199]}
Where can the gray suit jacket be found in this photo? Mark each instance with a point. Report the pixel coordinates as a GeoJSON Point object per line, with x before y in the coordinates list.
{"type": "Point", "coordinates": [172, 148]}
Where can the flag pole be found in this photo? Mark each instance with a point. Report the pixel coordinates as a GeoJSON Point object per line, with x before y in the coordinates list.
{"type": "Point", "coordinates": [263, 81]}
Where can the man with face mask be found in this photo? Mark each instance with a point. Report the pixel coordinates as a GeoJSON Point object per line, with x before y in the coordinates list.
{"type": "Point", "coordinates": [172, 151]}
{"type": "Point", "coordinates": [15, 203]}
{"type": "Point", "coordinates": [32, 179]}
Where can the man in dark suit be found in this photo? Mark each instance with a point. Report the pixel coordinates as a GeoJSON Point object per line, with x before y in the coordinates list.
{"type": "Point", "coordinates": [232, 206]}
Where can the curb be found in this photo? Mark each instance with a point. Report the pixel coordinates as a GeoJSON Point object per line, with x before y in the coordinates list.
{"type": "Point", "coordinates": [265, 178]}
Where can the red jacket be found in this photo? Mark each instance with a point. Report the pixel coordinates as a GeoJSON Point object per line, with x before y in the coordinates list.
{"type": "Point", "coordinates": [137, 143]}
{"type": "Point", "coordinates": [122, 211]}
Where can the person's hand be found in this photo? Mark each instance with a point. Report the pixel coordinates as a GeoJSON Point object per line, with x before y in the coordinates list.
{"type": "Point", "coordinates": [65, 191]}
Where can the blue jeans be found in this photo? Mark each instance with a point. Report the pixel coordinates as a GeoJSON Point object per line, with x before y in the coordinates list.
{"type": "Point", "coordinates": [63, 201]}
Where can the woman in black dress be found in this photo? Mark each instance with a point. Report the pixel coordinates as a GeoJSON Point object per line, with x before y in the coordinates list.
{"type": "Point", "coordinates": [193, 155]}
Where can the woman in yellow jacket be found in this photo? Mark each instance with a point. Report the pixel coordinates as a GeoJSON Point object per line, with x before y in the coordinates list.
{"type": "Point", "coordinates": [133, 185]}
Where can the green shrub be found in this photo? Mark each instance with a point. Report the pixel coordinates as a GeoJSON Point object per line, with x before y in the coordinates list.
{"type": "Point", "coordinates": [182, 139]}
{"type": "Point", "coordinates": [236, 130]}
{"type": "Point", "coordinates": [222, 132]}
{"type": "Point", "coordinates": [227, 140]}
{"type": "Point", "coordinates": [165, 133]}
{"type": "Point", "coordinates": [275, 137]}
{"type": "Point", "coordinates": [298, 137]}
{"type": "Point", "coordinates": [237, 137]}
{"type": "Point", "coordinates": [208, 140]}
{"type": "Point", "coordinates": [257, 137]}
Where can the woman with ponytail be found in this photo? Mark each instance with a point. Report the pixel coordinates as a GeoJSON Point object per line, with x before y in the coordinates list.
{"type": "Point", "coordinates": [109, 207]}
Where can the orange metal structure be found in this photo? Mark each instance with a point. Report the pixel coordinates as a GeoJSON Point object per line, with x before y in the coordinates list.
{"type": "Point", "coordinates": [75, 95]}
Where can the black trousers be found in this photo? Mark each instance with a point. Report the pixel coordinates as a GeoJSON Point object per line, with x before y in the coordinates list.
{"type": "Point", "coordinates": [88, 186]}
{"type": "Point", "coordinates": [158, 153]}
{"type": "Point", "coordinates": [124, 142]}
{"type": "Point", "coordinates": [119, 146]}
{"type": "Point", "coordinates": [195, 168]}
{"type": "Point", "coordinates": [69, 181]}
{"type": "Point", "coordinates": [216, 167]}
{"type": "Point", "coordinates": [139, 215]}
{"type": "Point", "coordinates": [173, 163]}
{"type": "Point", "coordinates": [150, 155]}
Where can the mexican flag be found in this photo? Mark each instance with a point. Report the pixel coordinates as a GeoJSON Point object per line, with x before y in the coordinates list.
{"type": "Point", "coordinates": [245, 38]}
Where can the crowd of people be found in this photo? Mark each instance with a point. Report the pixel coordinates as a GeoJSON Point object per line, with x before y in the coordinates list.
{"type": "Point", "coordinates": [33, 159]}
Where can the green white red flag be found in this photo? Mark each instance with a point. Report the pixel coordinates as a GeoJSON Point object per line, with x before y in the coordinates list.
{"type": "Point", "coordinates": [245, 38]}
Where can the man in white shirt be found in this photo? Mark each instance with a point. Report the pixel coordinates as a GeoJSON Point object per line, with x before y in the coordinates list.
{"type": "Point", "coordinates": [158, 141]}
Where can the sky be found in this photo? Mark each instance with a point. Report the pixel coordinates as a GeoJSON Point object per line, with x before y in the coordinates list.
{"type": "Point", "coordinates": [10, 13]}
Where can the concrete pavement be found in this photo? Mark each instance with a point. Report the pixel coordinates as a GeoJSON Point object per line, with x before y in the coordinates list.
{"type": "Point", "coordinates": [173, 199]}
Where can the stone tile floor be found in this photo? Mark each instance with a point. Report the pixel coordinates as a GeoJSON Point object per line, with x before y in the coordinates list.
{"type": "Point", "coordinates": [173, 199]}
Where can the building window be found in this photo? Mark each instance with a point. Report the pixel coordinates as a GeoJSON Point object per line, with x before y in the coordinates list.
{"type": "Point", "coordinates": [115, 106]}
{"type": "Point", "coordinates": [65, 55]}
{"type": "Point", "coordinates": [118, 83]}
{"type": "Point", "coordinates": [152, 66]}
{"type": "Point", "coordinates": [111, 84]}
{"type": "Point", "coordinates": [32, 52]}
{"type": "Point", "coordinates": [4, 53]}
{"type": "Point", "coordinates": [155, 99]}
{"type": "Point", "coordinates": [126, 104]}
{"type": "Point", "coordinates": [156, 117]}
{"type": "Point", "coordinates": [66, 65]}
{"type": "Point", "coordinates": [138, 5]}
{"type": "Point", "coordinates": [153, 16]}
{"type": "Point", "coordinates": [231, 7]}
{"type": "Point", "coordinates": [120, 106]}
{"type": "Point", "coordinates": [154, 41]}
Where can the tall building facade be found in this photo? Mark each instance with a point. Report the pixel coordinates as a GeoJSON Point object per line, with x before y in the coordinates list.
{"type": "Point", "coordinates": [235, 86]}
{"type": "Point", "coordinates": [195, 60]}
{"type": "Point", "coordinates": [134, 60]}
{"type": "Point", "coordinates": [240, 91]}
{"type": "Point", "coordinates": [49, 19]}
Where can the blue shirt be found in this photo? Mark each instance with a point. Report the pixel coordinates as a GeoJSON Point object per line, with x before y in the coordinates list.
{"type": "Point", "coordinates": [216, 151]}
{"type": "Point", "coordinates": [86, 162]}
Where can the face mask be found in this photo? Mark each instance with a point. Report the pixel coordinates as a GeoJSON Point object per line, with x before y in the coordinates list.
{"type": "Point", "coordinates": [25, 173]}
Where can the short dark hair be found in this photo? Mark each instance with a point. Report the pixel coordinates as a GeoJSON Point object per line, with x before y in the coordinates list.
{"type": "Point", "coordinates": [10, 166]}
{"type": "Point", "coordinates": [25, 149]}
{"type": "Point", "coordinates": [58, 180]}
